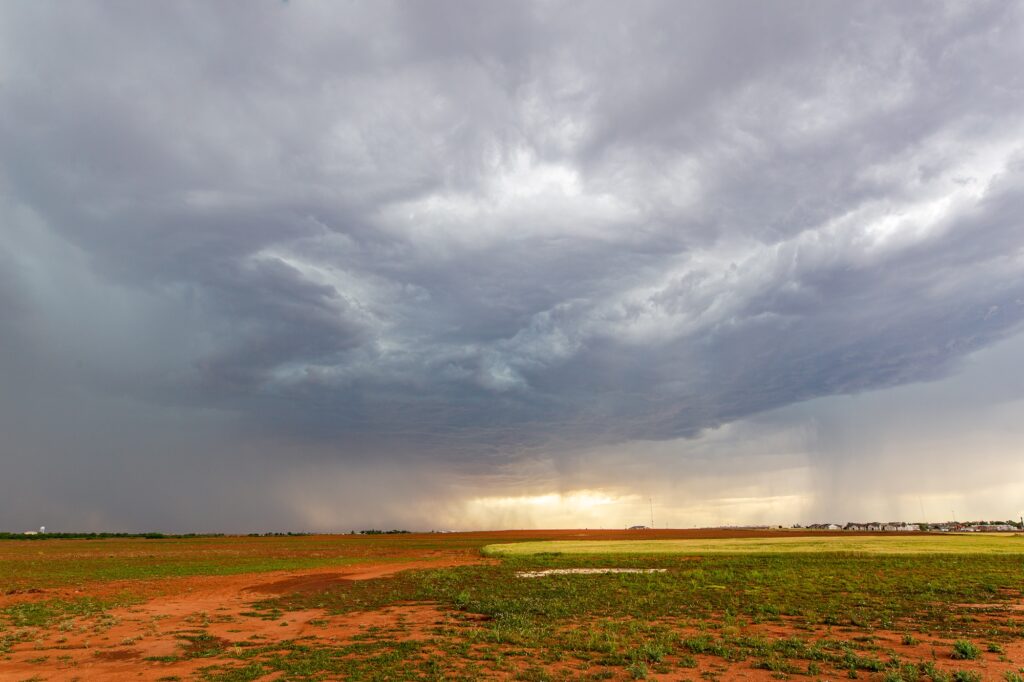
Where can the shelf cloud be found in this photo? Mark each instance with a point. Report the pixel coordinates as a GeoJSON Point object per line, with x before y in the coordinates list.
{"type": "Point", "coordinates": [250, 247]}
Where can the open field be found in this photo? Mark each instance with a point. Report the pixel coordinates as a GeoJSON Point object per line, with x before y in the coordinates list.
{"type": "Point", "coordinates": [435, 607]}
{"type": "Point", "coordinates": [973, 543]}
{"type": "Point", "coordinates": [54, 563]}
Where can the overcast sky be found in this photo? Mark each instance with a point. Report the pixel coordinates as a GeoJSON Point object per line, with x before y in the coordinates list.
{"type": "Point", "coordinates": [320, 265]}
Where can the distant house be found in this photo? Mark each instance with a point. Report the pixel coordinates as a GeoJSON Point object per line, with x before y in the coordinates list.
{"type": "Point", "coordinates": [638, 528]}
{"type": "Point", "coordinates": [993, 528]}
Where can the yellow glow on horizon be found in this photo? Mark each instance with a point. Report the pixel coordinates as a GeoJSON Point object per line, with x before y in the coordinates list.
{"type": "Point", "coordinates": [576, 508]}
{"type": "Point", "coordinates": [597, 508]}
{"type": "Point", "coordinates": [578, 499]}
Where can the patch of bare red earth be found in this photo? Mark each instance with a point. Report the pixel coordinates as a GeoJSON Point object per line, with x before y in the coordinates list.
{"type": "Point", "coordinates": [926, 647]}
{"type": "Point", "coordinates": [117, 650]}
{"type": "Point", "coordinates": [213, 604]}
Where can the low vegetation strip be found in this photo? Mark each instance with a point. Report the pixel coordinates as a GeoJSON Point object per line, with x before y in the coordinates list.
{"type": "Point", "coordinates": [55, 563]}
{"type": "Point", "coordinates": [892, 617]}
{"type": "Point", "coordinates": [585, 571]}
{"type": "Point", "coordinates": [916, 544]}
{"type": "Point", "coordinates": [896, 616]}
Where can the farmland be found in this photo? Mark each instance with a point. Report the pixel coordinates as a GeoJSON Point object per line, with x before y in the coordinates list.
{"type": "Point", "coordinates": [453, 606]}
{"type": "Point", "coordinates": [977, 543]}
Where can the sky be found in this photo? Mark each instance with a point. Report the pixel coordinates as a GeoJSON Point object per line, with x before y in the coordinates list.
{"type": "Point", "coordinates": [454, 265]}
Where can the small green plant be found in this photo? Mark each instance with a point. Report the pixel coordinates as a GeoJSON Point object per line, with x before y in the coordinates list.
{"type": "Point", "coordinates": [909, 640]}
{"type": "Point", "coordinates": [966, 676]}
{"type": "Point", "coordinates": [638, 670]}
{"type": "Point", "coordinates": [964, 650]}
{"type": "Point", "coordinates": [906, 672]}
{"type": "Point", "coordinates": [688, 661]}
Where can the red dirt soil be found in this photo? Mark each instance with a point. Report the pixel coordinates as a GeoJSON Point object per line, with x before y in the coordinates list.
{"type": "Point", "coordinates": [116, 646]}
{"type": "Point", "coordinates": [362, 546]}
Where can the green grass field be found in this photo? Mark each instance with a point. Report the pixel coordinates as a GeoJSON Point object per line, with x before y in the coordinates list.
{"type": "Point", "coordinates": [922, 608]}
{"type": "Point", "coordinates": [817, 615]}
{"type": "Point", "coordinates": [914, 544]}
{"type": "Point", "coordinates": [80, 562]}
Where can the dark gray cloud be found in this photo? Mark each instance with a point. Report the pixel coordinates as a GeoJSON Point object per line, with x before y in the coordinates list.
{"type": "Point", "coordinates": [455, 236]}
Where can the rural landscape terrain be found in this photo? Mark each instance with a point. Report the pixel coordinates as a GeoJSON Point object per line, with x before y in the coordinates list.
{"type": "Point", "coordinates": [521, 605]}
{"type": "Point", "coordinates": [747, 270]}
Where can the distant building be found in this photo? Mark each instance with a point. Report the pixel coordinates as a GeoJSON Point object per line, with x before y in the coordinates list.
{"type": "Point", "coordinates": [993, 528]}
{"type": "Point", "coordinates": [638, 528]}
{"type": "Point", "coordinates": [904, 527]}
{"type": "Point", "coordinates": [900, 527]}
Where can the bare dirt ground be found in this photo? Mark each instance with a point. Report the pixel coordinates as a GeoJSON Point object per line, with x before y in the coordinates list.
{"type": "Point", "coordinates": [145, 642]}
{"type": "Point", "coordinates": [128, 643]}
{"type": "Point", "coordinates": [158, 586]}
{"type": "Point", "coordinates": [150, 641]}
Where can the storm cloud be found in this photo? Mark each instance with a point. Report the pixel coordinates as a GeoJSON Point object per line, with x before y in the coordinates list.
{"type": "Point", "coordinates": [246, 240]}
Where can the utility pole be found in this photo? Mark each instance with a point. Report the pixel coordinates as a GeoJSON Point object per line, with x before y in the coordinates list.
{"type": "Point", "coordinates": [651, 500]}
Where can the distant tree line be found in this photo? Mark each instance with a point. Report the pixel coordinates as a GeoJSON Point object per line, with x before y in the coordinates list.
{"type": "Point", "coordinates": [100, 536]}
{"type": "Point", "coordinates": [158, 536]}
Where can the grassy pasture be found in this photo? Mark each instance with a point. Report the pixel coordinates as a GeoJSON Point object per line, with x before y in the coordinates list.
{"type": "Point", "coordinates": [80, 562]}
{"type": "Point", "coordinates": [924, 608]}
{"type": "Point", "coordinates": [882, 544]}
{"type": "Point", "coordinates": [817, 615]}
